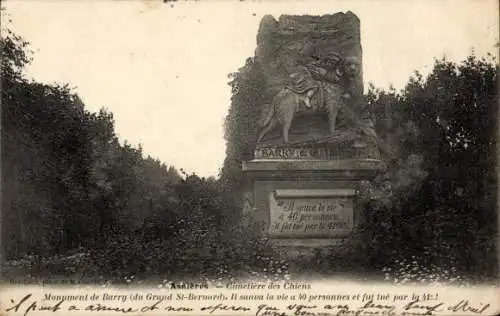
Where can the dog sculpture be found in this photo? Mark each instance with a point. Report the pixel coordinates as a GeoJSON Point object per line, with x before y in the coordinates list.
{"type": "Point", "coordinates": [326, 79]}
{"type": "Point", "coordinates": [287, 103]}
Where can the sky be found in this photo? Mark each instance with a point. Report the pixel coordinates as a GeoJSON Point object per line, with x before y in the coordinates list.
{"type": "Point", "coordinates": [162, 68]}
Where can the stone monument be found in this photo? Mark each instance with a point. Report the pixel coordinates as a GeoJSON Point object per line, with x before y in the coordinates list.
{"type": "Point", "coordinates": [314, 146]}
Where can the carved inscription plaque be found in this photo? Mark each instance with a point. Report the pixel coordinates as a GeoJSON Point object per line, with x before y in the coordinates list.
{"type": "Point", "coordinates": [301, 153]}
{"type": "Point", "coordinates": [311, 213]}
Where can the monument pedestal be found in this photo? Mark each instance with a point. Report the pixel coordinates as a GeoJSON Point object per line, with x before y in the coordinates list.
{"type": "Point", "coordinates": [308, 206]}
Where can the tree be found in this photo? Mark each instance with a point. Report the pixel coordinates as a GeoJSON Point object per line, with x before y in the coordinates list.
{"type": "Point", "coordinates": [69, 185]}
{"type": "Point", "coordinates": [440, 133]}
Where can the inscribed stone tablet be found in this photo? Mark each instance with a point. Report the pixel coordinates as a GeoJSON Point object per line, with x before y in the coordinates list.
{"type": "Point", "coordinates": [311, 213]}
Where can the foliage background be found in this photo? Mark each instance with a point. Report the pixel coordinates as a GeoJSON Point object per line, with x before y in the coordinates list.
{"type": "Point", "coordinates": [77, 203]}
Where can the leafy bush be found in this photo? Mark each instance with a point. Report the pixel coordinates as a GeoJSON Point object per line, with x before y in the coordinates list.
{"type": "Point", "coordinates": [410, 271]}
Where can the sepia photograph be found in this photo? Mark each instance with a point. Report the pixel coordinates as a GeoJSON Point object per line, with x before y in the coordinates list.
{"type": "Point", "coordinates": [246, 146]}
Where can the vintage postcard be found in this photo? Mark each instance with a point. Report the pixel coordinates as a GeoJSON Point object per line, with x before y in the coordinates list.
{"type": "Point", "coordinates": [267, 158]}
